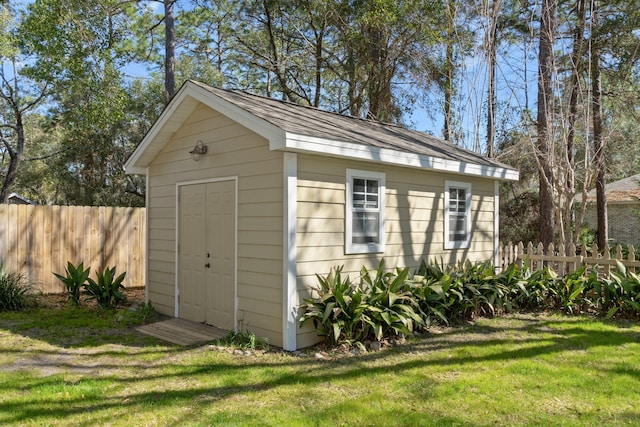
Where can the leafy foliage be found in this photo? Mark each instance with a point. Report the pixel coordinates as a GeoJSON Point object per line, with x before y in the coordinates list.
{"type": "Point", "coordinates": [388, 304]}
{"type": "Point", "coordinates": [376, 307]}
{"type": "Point", "coordinates": [75, 279]}
{"type": "Point", "coordinates": [107, 289]}
{"type": "Point", "coordinates": [338, 312]}
{"type": "Point", "coordinates": [13, 292]}
{"type": "Point", "coordinates": [392, 307]}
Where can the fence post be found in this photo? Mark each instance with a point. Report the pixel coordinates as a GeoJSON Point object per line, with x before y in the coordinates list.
{"type": "Point", "coordinates": [519, 253]}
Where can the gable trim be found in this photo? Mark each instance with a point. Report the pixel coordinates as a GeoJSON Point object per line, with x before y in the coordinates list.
{"type": "Point", "coordinates": [178, 111]}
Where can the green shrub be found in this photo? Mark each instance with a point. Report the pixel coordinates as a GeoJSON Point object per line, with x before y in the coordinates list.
{"type": "Point", "coordinates": [570, 290]}
{"type": "Point", "coordinates": [537, 290]}
{"type": "Point", "coordinates": [107, 289]}
{"type": "Point", "coordinates": [452, 293]}
{"type": "Point", "coordinates": [339, 312]}
{"type": "Point", "coordinates": [392, 307]}
{"type": "Point", "coordinates": [619, 293]}
{"type": "Point", "coordinates": [14, 294]}
{"type": "Point", "coordinates": [386, 304]}
{"type": "Point", "coordinates": [75, 279]}
{"type": "Point", "coordinates": [381, 305]}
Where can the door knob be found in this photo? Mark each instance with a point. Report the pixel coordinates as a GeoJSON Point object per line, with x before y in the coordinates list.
{"type": "Point", "coordinates": [207, 265]}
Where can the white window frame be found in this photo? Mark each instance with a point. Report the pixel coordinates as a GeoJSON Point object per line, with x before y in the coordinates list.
{"type": "Point", "coordinates": [457, 244]}
{"type": "Point", "coordinates": [363, 248]}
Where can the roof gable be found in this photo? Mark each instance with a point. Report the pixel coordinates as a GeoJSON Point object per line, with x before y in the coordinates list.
{"type": "Point", "coordinates": [295, 128]}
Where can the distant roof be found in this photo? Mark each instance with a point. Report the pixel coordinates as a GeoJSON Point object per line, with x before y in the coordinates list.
{"type": "Point", "coordinates": [17, 199]}
{"type": "Point", "coordinates": [296, 128]}
{"type": "Point", "coordinates": [621, 191]}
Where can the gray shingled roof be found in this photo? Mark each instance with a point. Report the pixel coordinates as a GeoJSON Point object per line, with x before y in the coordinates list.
{"type": "Point", "coordinates": [313, 122]}
{"type": "Point", "coordinates": [623, 190]}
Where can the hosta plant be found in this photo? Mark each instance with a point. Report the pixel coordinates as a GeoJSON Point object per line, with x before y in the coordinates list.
{"type": "Point", "coordinates": [74, 280]}
{"type": "Point", "coordinates": [107, 289]}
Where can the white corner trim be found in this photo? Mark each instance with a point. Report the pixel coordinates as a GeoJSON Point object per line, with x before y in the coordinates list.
{"type": "Point", "coordinates": [309, 144]}
{"type": "Point", "coordinates": [147, 198]}
{"type": "Point", "coordinates": [496, 225]}
{"type": "Point", "coordinates": [290, 294]}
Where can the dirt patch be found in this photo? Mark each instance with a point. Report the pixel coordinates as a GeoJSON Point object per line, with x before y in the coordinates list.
{"type": "Point", "coordinates": [135, 297]}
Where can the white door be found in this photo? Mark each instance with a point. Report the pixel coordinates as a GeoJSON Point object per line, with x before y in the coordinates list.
{"type": "Point", "coordinates": [207, 230]}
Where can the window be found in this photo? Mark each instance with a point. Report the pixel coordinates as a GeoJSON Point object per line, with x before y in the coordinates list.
{"type": "Point", "coordinates": [457, 215]}
{"type": "Point", "coordinates": [364, 222]}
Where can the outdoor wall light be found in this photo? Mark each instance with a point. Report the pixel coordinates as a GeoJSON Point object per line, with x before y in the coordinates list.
{"type": "Point", "coordinates": [198, 151]}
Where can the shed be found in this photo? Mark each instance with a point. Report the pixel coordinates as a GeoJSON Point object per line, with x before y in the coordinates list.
{"type": "Point", "coordinates": [249, 197]}
{"type": "Point", "coordinates": [17, 199]}
{"type": "Point", "coordinates": [623, 210]}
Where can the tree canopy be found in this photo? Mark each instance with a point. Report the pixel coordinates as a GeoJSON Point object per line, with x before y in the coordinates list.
{"type": "Point", "coordinates": [82, 81]}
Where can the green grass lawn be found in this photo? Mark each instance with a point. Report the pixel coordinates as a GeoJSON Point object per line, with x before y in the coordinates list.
{"type": "Point", "coordinates": [89, 367]}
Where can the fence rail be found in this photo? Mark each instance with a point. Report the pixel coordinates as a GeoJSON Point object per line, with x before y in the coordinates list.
{"type": "Point", "coordinates": [566, 259]}
{"type": "Point", "coordinates": [37, 241]}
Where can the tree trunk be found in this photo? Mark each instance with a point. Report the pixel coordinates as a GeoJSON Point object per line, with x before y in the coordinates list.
{"type": "Point", "coordinates": [577, 64]}
{"type": "Point", "coordinates": [448, 73]}
{"type": "Point", "coordinates": [170, 46]}
{"type": "Point", "coordinates": [598, 141]}
{"type": "Point", "coordinates": [491, 46]}
{"type": "Point", "coordinates": [545, 121]}
{"type": "Point", "coordinates": [15, 157]}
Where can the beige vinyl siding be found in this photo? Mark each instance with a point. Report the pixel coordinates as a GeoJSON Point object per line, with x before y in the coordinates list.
{"type": "Point", "coordinates": [232, 151]}
{"type": "Point", "coordinates": [414, 221]}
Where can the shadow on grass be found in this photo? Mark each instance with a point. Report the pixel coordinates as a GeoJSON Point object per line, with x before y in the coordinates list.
{"type": "Point", "coordinates": [193, 376]}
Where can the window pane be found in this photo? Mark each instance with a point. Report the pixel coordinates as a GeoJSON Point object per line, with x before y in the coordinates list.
{"type": "Point", "coordinates": [358, 200]}
{"type": "Point", "coordinates": [457, 227]}
{"type": "Point", "coordinates": [365, 227]}
{"type": "Point", "coordinates": [358, 185]}
{"type": "Point", "coordinates": [372, 186]}
{"type": "Point", "coordinates": [372, 201]}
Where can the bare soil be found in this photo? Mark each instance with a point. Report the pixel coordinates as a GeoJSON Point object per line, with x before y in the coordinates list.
{"type": "Point", "coordinates": [135, 297]}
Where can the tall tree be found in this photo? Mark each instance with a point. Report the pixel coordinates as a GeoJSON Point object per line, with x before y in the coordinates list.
{"type": "Point", "coordinates": [598, 140]}
{"type": "Point", "coordinates": [491, 44]}
{"type": "Point", "coordinates": [170, 51]}
{"type": "Point", "coordinates": [577, 68]}
{"type": "Point", "coordinates": [80, 48]}
{"type": "Point", "coordinates": [545, 120]}
{"type": "Point", "coordinates": [18, 96]}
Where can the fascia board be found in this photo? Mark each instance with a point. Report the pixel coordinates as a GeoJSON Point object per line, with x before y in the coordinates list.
{"type": "Point", "coordinates": [321, 146]}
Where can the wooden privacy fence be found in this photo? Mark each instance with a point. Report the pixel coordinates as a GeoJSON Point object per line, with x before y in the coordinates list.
{"type": "Point", "coordinates": [37, 241]}
{"type": "Point", "coordinates": [565, 259]}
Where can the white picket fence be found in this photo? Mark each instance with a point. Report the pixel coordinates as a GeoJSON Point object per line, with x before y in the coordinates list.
{"type": "Point", "coordinates": [565, 259]}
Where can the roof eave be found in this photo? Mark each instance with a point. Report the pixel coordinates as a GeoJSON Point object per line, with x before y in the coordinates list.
{"type": "Point", "coordinates": [320, 146]}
